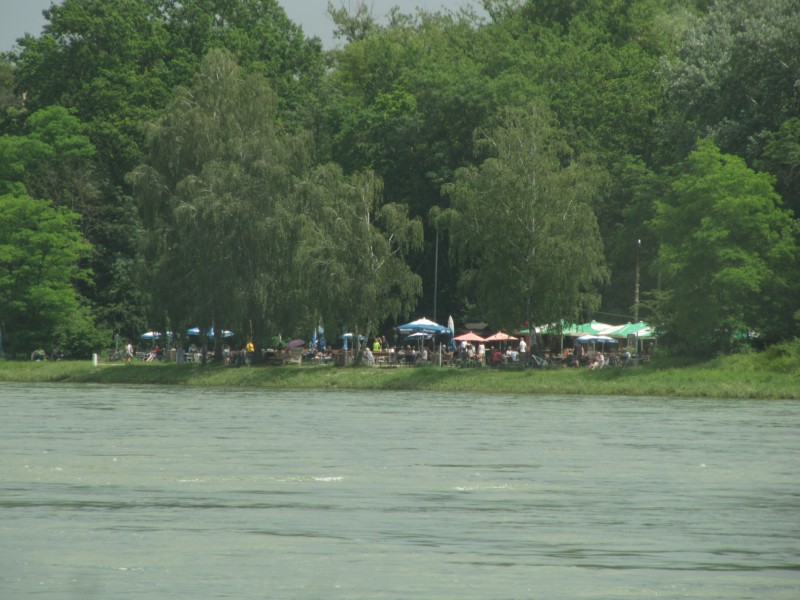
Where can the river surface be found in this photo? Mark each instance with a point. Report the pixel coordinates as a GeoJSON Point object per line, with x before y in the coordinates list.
{"type": "Point", "coordinates": [171, 493]}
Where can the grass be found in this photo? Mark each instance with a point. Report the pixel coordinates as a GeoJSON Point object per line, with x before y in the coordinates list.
{"type": "Point", "coordinates": [771, 374]}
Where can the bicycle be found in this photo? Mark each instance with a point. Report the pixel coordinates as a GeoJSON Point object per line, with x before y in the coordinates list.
{"type": "Point", "coordinates": [537, 362]}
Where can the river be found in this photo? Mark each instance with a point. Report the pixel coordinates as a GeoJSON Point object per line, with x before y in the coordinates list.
{"type": "Point", "coordinates": [180, 493]}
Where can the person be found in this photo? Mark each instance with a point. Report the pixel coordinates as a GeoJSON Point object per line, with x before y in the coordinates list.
{"type": "Point", "coordinates": [582, 356]}
{"type": "Point", "coordinates": [368, 356]}
{"type": "Point", "coordinates": [481, 353]}
{"type": "Point", "coordinates": [250, 350]}
{"type": "Point", "coordinates": [409, 355]}
{"type": "Point", "coordinates": [128, 352]}
{"type": "Point", "coordinates": [226, 355]}
{"type": "Point", "coordinates": [523, 347]}
{"type": "Point", "coordinates": [497, 357]}
{"type": "Point", "coordinates": [376, 346]}
{"type": "Point", "coordinates": [37, 355]}
{"type": "Point", "coordinates": [626, 357]}
{"type": "Point", "coordinates": [599, 361]}
{"type": "Point", "coordinates": [153, 354]}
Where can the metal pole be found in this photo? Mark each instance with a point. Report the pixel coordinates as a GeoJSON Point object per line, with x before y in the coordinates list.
{"type": "Point", "coordinates": [636, 296]}
{"type": "Point", "coordinates": [436, 277]}
{"type": "Point", "coordinates": [636, 285]}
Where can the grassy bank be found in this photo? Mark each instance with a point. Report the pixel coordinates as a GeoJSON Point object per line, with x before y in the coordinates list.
{"type": "Point", "coordinates": [773, 374]}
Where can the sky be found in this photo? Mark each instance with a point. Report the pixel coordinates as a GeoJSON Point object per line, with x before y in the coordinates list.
{"type": "Point", "coordinates": [18, 17]}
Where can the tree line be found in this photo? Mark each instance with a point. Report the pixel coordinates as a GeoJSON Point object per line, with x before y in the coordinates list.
{"type": "Point", "coordinates": [166, 165]}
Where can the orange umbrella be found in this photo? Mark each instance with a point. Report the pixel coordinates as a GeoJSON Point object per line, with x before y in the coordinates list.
{"type": "Point", "coordinates": [500, 337]}
{"type": "Point", "coordinates": [469, 337]}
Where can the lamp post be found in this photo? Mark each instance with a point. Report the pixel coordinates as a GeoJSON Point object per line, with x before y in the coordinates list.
{"type": "Point", "coordinates": [436, 276]}
{"type": "Point", "coordinates": [636, 285]}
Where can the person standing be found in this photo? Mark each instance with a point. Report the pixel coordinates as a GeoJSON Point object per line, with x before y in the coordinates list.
{"type": "Point", "coordinates": [128, 352]}
{"type": "Point", "coordinates": [523, 350]}
{"type": "Point", "coordinates": [250, 351]}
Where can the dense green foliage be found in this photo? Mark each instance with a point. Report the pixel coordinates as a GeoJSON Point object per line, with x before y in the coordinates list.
{"type": "Point", "coordinates": [226, 170]}
{"type": "Point", "coordinates": [724, 239]}
{"type": "Point", "coordinates": [523, 225]}
{"type": "Point", "coordinates": [40, 252]}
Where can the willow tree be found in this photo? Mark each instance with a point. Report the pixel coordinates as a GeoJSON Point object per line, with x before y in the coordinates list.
{"type": "Point", "coordinates": [354, 250]}
{"type": "Point", "coordinates": [522, 225]}
{"type": "Point", "coordinates": [215, 200]}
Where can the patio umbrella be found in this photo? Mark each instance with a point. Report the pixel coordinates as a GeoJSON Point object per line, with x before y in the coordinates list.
{"type": "Point", "coordinates": [595, 339]}
{"type": "Point", "coordinates": [422, 325]}
{"type": "Point", "coordinates": [500, 337]}
{"type": "Point", "coordinates": [151, 335]}
{"type": "Point", "coordinates": [347, 337]}
{"type": "Point", "coordinates": [295, 344]}
{"type": "Point", "coordinates": [419, 336]}
{"type": "Point", "coordinates": [210, 333]}
{"type": "Point", "coordinates": [469, 337]}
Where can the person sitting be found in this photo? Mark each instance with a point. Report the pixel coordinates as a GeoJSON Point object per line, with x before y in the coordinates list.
{"type": "Point", "coordinates": [409, 355]}
{"type": "Point", "coordinates": [154, 354]}
{"type": "Point", "coordinates": [368, 356]}
{"type": "Point", "coordinates": [497, 357]}
{"type": "Point", "coordinates": [598, 362]}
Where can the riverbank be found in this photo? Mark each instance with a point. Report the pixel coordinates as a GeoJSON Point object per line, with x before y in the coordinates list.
{"type": "Point", "coordinates": [772, 374]}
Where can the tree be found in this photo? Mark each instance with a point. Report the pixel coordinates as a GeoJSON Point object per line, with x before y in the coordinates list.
{"type": "Point", "coordinates": [728, 254]}
{"type": "Point", "coordinates": [354, 249]}
{"type": "Point", "coordinates": [782, 158]}
{"type": "Point", "coordinates": [114, 65]}
{"type": "Point", "coordinates": [55, 161]}
{"type": "Point", "coordinates": [523, 227]}
{"type": "Point", "coordinates": [52, 158]}
{"type": "Point", "coordinates": [41, 251]}
{"type": "Point", "coordinates": [734, 76]}
{"type": "Point", "coordinates": [215, 198]}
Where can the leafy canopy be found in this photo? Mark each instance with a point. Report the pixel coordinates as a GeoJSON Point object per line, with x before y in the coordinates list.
{"type": "Point", "coordinates": [728, 253]}
{"type": "Point", "coordinates": [523, 227]}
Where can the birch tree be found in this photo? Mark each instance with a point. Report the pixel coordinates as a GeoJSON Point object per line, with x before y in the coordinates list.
{"type": "Point", "coordinates": [523, 227]}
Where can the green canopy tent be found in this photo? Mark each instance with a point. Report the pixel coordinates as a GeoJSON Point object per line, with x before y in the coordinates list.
{"type": "Point", "coordinates": [573, 330]}
{"type": "Point", "coordinates": [639, 331]}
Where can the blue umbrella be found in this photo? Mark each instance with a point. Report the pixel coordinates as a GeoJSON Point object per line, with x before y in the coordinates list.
{"type": "Point", "coordinates": [347, 337]}
{"type": "Point", "coordinates": [422, 326]}
{"type": "Point", "coordinates": [151, 335]}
